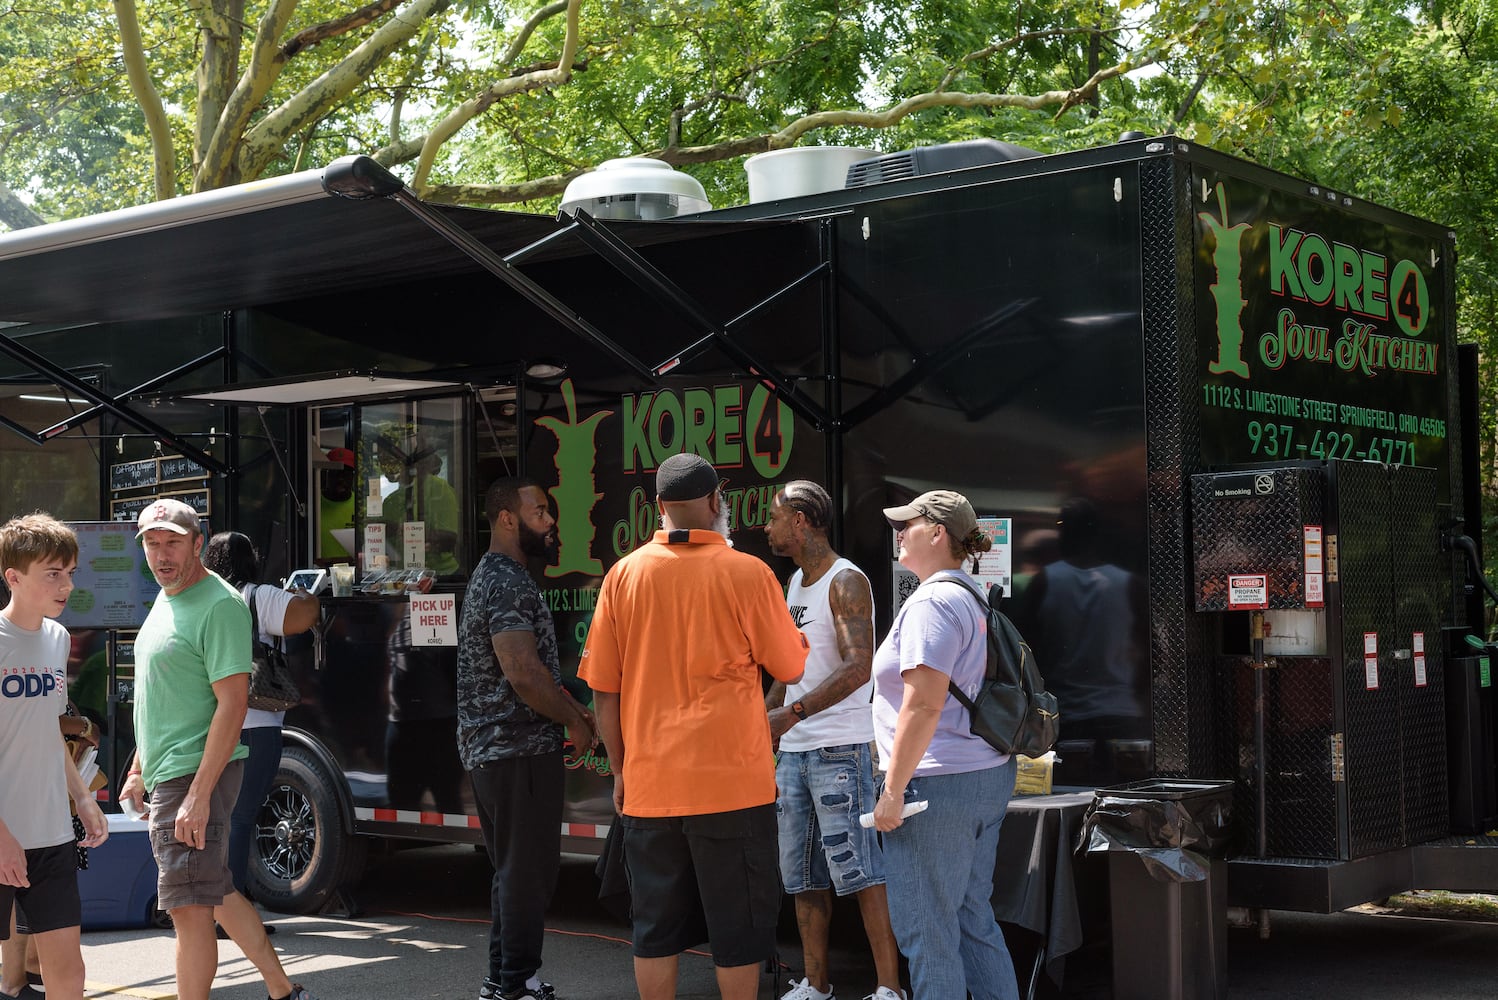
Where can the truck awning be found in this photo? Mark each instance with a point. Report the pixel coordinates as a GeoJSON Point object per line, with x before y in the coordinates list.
{"type": "Point", "coordinates": [257, 244]}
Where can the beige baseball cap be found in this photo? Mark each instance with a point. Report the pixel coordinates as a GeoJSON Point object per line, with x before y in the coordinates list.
{"type": "Point", "coordinates": [945, 507]}
{"type": "Point", "coordinates": [173, 515]}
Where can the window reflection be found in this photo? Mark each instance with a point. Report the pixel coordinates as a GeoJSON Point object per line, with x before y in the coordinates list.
{"type": "Point", "coordinates": [413, 454]}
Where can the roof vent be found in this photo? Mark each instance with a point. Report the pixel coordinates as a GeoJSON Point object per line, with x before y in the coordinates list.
{"type": "Point", "coordinates": [934, 160]}
{"type": "Point", "coordinates": [800, 170]}
{"type": "Point", "coordinates": [635, 189]}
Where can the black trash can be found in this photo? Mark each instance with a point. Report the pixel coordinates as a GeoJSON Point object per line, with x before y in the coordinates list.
{"type": "Point", "coordinates": [1166, 841]}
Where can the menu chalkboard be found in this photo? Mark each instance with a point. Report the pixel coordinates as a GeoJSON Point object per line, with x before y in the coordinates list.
{"type": "Point", "coordinates": [129, 508]}
{"type": "Point", "coordinates": [133, 475]}
{"type": "Point", "coordinates": [175, 468]}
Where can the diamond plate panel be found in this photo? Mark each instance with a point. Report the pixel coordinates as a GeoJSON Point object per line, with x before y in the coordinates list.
{"type": "Point", "coordinates": [1183, 699]}
{"type": "Point", "coordinates": [1422, 590]}
{"type": "Point", "coordinates": [1253, 522]}
{"type": "Point", "coordinates": [1364, 589]}
{"type": "Point", "coordinates": [1300, 791]}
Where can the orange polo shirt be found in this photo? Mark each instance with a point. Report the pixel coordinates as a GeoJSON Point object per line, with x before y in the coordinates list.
{"type": "Point", "coordinates": [681, 629]}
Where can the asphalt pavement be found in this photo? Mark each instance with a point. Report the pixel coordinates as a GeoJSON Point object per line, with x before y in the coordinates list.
{"type": "Point", "coordinates": [421, 932]}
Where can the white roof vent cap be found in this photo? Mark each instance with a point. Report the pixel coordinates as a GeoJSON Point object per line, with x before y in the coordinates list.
{"type": "Point", "coordinates": [635, 188]}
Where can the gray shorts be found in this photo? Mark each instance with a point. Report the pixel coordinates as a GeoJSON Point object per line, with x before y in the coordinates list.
{"type": "Point", "coordinates": [187, 876]}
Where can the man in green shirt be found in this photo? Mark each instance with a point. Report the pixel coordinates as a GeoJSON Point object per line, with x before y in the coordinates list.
{"type": "Point", "coordinates": [192, 669]}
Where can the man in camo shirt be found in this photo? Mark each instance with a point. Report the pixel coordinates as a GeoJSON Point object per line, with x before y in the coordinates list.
{"type": "Point", "coordinates": [511, 713]}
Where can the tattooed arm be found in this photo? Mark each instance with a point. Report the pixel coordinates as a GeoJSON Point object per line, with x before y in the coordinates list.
{"type": "Point", "coordinates": [853, 620]}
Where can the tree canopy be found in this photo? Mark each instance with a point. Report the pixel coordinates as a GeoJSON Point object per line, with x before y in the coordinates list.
{"type": "Point", "coordinates": [504, 101]}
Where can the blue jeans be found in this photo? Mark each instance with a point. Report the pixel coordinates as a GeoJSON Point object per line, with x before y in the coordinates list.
{"type": "Point", "coordinates": [939, 867]}
{"type": "Point", "coordinates": [259, 774]}
{"type": "Point", "coordinates": [822, 792]}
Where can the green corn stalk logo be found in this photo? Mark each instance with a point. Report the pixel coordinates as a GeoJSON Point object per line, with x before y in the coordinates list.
{"type": "Point", "coordinates": [576, 490]}
{"type": "Point", "coordinates": [1227, 290]}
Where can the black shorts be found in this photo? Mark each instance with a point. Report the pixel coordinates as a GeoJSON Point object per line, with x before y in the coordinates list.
{"type": "Point", "coordinates": [714, 877]}
{"type": "Point", "coordinates": [51, 901]}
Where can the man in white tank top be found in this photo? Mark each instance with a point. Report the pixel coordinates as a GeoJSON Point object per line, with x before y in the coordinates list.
{"type": "Point", "coordinates": [824, 725]}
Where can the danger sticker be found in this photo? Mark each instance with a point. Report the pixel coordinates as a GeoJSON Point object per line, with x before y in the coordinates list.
{"type": "Point", "coordinates": [1248, 591]}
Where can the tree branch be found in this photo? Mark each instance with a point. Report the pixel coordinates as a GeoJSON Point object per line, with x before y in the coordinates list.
{"type": "Point", "coordinates": [134, 54]}
{"type": "Point", "coordinates": [15, 213]}
{"type": "Point", "coordinates": [259, 74]}
{"type": "Point", "coordinates": [475, 106]}
{"type": "Point", "coordinates": [1189, 99]}
{"type": "Point", "coordinates": [262, 142]}
{"type": "Point", "coordinates": [543, 187]}
{"type": "Point", "coordinates": [308, 37]}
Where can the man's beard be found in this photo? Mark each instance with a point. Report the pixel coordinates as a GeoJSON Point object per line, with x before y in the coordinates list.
{"type": "Point", "coordinates": [539, 545]}
{"type": "Point", "coordinates": [720, 523]}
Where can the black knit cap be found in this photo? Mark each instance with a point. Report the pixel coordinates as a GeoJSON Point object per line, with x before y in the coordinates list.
{"type": "Point", "coordinates": [685, 477]}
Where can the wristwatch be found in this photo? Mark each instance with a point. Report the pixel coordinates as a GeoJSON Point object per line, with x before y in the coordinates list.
{"type": "Point", "coordinates": [799, 710]}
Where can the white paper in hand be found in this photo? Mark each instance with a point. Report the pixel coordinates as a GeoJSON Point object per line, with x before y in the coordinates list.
{"type": "Point", "coordinates": [911, 808]}
{"type": "Point", "coordinates": [89, 765]}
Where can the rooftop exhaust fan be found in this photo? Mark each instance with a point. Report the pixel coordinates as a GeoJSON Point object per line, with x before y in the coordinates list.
{"type": "Point", "coordinates": [635, 189]}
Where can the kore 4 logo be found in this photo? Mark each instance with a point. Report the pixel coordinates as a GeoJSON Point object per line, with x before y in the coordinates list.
{"type": "Point", "coordinates": [31, 683]}
{"type": "Point", "coordinates": [1336, 302]}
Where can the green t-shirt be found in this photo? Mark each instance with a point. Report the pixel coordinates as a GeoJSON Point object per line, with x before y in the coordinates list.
{"type": "Point", "coordinates": [188, 642]}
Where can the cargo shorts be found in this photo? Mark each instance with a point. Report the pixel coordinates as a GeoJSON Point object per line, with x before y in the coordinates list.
{"type": "Point", "coordinates": [187, 876]}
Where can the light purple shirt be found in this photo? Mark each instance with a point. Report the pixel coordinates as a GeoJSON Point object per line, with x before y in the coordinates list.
{"type": "Point", "coordinates": [943, 627]}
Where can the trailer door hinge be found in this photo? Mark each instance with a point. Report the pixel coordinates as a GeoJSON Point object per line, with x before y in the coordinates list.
{"type": "Point", "coordinates": [1339, 765]}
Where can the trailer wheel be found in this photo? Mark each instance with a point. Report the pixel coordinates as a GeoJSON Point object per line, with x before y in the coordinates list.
{"type": "Point", "coordinates": [302, 852]}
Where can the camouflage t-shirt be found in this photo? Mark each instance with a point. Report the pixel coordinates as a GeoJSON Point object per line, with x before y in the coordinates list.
{"type": "Point", "coordinates": [493, 722]}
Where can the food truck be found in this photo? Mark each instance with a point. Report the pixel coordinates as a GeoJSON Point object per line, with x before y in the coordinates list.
{"type": "Point", "coordinates": [1230, 399]}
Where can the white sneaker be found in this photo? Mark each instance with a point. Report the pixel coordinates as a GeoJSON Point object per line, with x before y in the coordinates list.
{"type": "Point", "coordinates": [804, 990]}
{"type": "Point", "coordinates": [885, 993]}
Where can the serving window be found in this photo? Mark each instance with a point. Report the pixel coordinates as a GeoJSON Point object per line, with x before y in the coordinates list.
{"type": "Point", "coordinates": [399, 482]}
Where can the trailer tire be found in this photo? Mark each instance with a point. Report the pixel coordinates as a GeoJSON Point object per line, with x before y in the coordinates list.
{"type": "Point", "coordinates": [302, 851]}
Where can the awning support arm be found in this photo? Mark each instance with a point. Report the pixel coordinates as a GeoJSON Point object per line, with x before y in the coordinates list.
{"type": "Point", "coordinates": [645, 274]}
{"type": "Point", "coordinates": [361, 178]}
{"type": "Point", "coordinates": [84, 416]}
{"type": "Point", "coordinates": [67, 380]}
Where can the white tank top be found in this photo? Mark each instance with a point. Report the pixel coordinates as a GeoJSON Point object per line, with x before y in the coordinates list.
{"type": "Point", "coordinates": [850, 720]}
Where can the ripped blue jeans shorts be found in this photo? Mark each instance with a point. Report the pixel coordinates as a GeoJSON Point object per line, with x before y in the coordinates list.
{"type": "Point", "coordinates": [820, 794]}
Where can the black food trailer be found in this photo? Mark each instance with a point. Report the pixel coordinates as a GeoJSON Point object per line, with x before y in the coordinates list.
{"type": "Point", "coordinates": [1227, 403]}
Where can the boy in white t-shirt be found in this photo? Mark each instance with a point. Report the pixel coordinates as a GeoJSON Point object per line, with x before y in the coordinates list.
{"type": "Point", "coordinates": [38, 855]}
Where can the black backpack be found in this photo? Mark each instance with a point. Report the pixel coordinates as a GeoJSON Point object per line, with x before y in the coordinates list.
{"type": "Point", "coordinates": [1013, 712]}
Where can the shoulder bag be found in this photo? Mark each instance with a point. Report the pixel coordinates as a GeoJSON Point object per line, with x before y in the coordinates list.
{"type": "Point", "coordinates": [272, 686]}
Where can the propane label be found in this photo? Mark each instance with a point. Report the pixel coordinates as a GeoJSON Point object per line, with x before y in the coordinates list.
{"type": "Point", "coordinates": [1419, 649]}
{"type": "Point", "coordinates": [1315, 591]}
{"type": "Point", "coordinates": [1248, 591]}
{"type": "Point", "coordinates": [1370, 660]}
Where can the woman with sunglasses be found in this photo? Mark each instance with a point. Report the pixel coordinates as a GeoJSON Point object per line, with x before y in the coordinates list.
{"type": "Point", "coordinates": [939, 863]}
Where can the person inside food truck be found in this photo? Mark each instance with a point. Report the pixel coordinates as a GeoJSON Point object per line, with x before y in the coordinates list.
{"type": "Point", "coordinates": [420, 495]}
{"type": "Point", "coordinates": [335, 504]}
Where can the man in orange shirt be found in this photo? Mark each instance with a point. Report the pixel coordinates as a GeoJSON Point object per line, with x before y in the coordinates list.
{"type": "Point", "coordinates": [682, 627]}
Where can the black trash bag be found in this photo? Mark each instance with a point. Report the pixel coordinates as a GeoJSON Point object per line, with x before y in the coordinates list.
{"type": "Point", "coordinates": [1174, 825]}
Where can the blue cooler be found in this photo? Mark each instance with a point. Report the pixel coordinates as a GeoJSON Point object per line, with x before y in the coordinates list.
{"type": "Point", "coordinates": [119, 887]}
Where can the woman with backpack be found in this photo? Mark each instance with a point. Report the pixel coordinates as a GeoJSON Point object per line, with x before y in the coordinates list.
{"type": "Point", "coordinates": [280, 612]}
{"type": "Point", "coordinates": [939, 862]}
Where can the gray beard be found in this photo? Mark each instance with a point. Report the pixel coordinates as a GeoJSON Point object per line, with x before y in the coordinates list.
{"type": "Point", "coordinates": [720, 523]}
